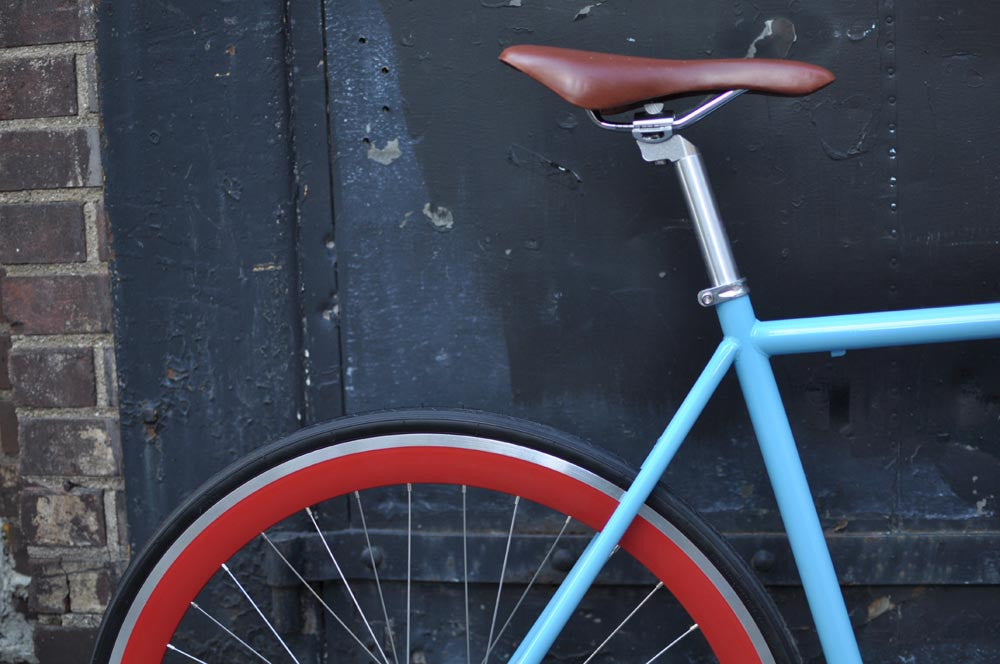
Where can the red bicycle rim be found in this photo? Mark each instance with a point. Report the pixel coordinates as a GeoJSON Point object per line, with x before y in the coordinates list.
{"type": "Point", "coordinates": [292, 492]}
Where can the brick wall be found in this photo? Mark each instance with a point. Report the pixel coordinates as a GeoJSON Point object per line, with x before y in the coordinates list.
{"type": "Point", "coordinates": [61, 508]}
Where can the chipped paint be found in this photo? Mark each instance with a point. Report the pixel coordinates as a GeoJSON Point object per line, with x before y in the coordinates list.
{"type": "Point", "coordinates": [778, 32]}
{"type": "Point", "coordinates": [385, 155]}
{"type": "Point", "coordinates": [878, 606]}
{"type": "Point", "coordinates": [440, 216]}
{"type": "Point", "coordinates": [266, 267]}
{"type": "Point", "coordinates": [861, 30]}
{"type": "Point", "coordinates": [523, 157]}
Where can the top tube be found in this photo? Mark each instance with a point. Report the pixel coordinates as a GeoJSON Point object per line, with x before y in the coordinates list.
{"type": "Point", "coordinates": [878, 329]}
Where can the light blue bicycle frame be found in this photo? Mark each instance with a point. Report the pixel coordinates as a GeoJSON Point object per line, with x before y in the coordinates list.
{"type": "Point", "coordinates": [748, 343]}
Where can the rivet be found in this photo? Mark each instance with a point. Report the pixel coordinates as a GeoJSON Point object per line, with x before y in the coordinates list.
{"type": "Point", "coordinates": [374, 554]}
{"type": "Point", "coordinates": [562, 560]}
{"type": "Point", "coordinates": [763, 560]}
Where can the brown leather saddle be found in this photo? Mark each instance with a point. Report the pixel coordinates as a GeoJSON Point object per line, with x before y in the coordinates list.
{"type": "Point", "coordinates": [613, 83]}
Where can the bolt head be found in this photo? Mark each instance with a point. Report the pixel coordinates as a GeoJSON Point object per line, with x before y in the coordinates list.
{"type": "Point", "coordinates": [374, 555]}
{"type": "Point", "coordinates": [562, 560]}
{"type": "Point", "coordinates": [763, 560]}
{"type": "Point", "coordinates": [707, 299]}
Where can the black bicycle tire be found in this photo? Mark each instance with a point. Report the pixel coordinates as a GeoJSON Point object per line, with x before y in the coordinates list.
{"type": "Point", "coordinates": [487, 425]}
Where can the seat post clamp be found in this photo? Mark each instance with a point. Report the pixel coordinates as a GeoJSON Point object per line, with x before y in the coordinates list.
{"type": "Point", "coordinates": [713, 296]}
{"type": "Point", "coordinates": [653, 136]}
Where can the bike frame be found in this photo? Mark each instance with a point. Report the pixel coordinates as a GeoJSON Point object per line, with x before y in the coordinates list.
{"type": "Point", "coordinates": [748, 344]}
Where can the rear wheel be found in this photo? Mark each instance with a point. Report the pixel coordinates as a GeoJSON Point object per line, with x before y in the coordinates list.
{"type": "Point", "coordinates": [430, 536]}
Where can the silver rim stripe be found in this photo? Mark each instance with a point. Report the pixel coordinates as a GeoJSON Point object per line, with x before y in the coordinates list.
{"type": "Point", "coordinates": [432, 440]}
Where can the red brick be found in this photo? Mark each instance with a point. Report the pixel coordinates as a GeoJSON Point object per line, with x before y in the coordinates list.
{"type": "Point", "coordinates": [38, 87]}
{"type": "Point", "coordinates": [57, 305]}
{"type": "Point", "coordinates": [3, 317]}
{"type": "Point", "coordinates": [4, 362]}
{"type": "Point", "coordinates": [49, 589]}
{"type": "Point", "coordinates": [10, 487]}
{"type": "Point", "coordinates": [61, 586]}
{"type": "Point", "coordinates": [65, 645]}
{"type": "Point", "coordinates": [49, 159]}
{"type": "Point", "coordinates": [62, 518]}
{"type": "Point", "coordinates": [103, 233]}
{"type": "Point", "coordinates": [53, 378]}
{"type": "Point", "coordinates": [25, 22]}
{"type": "Point", "coordinates": [69, 447]}
{"type": "Point", "coordinates": [43, 233]}
{"type": "Point", "coordinates": [8, 430]}
{"type": "Point", "coordinates": [89, 589]}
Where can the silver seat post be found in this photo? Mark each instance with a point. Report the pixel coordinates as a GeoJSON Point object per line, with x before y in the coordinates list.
{"type": "Point", "coordinates": [660, 147]}
{"type": "Point", "coordinates": [659, 144]}
{"type": "Point", "coordinates": [722, 271]}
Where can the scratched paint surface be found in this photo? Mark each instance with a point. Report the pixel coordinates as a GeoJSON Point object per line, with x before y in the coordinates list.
{"type": "Point", "coordinates": [490, 248]}
{"type": "Point", "coordinates": [561, 287]}
{"type": "Point", "coordinates": [497, 251]}
{"type": "Point", "coordinates": [199, 189]}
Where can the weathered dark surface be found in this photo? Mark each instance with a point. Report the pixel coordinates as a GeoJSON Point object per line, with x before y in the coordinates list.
{"type": "Point", "coordinates": [492, 249]}
{"type": "Point", "coordinates": [560, 282]}
{"type": "Point", "coordinates": [319, 305]}
{"type": "Point", "coordinates": [200, 198]}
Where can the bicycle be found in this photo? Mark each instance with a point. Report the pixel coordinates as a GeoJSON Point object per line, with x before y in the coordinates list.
{"type": "Point", "coordinates": [439, 463]}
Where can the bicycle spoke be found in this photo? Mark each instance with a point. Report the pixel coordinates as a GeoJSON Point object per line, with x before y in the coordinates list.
{"type": "Point", "coordinates": [347, 585]}
{"type": "Point", "coordinates": [622, 623]}
{"type": "Point", "coordinates": [229, 632]}
{"type": "Point", "coordinates": [181, 652]}
{"type": "Point", "coordinates": [503, 571]}
{"type": "Point", "coordinates": [465, 567]}
{"type": "Point", "coordinates": [673, 643]}
{"type": "Point", "coordinates": [531, 582]}
{"type": "Point", "coordinates": [409, 558]}
{"type": "Point", "coordinates": [319, 599]}
{"type": "Point", "coordinates": [260, 613]}
{"type": "Point", "coordinates": [378, 584]}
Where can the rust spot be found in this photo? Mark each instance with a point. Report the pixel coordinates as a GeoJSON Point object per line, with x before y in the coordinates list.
{"type": "Point", "coordinates": [879, 606]}
{"type": "Point", "coordinates": [231, 50]}
{"type": "Point", "coordinates": [840, 526]}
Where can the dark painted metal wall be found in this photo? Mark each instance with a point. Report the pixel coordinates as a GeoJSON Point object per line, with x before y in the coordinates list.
{"type": "Point", "coordinates": [200, 186]}
{"type": "Point", "coordinates": [487, 247]}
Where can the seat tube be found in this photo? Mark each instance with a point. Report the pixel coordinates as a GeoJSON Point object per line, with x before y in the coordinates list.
{"type": "Point", "coordinates": [788, 479]}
